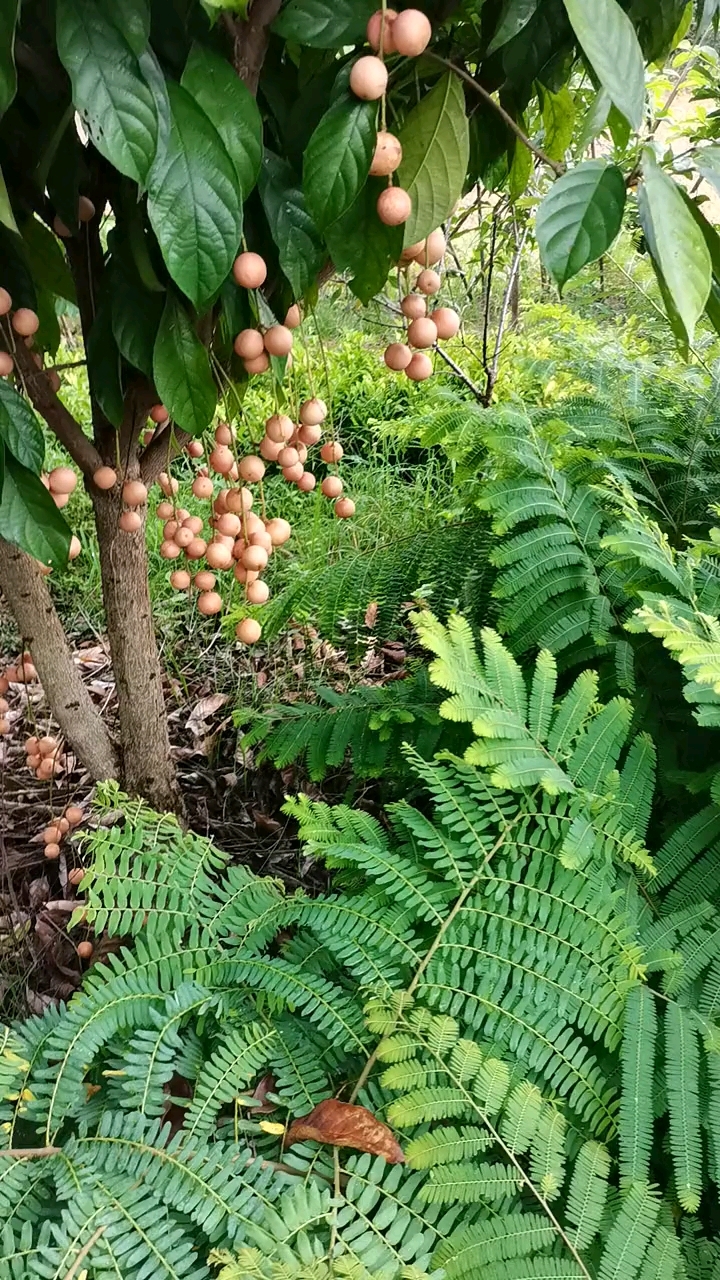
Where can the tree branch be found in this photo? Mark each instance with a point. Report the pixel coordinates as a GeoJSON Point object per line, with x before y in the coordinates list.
{"type": "Point", "coordinates": [250, 39]}
{"type": "Point", "coordinates": [160, 453]}
{"type": "Point", "coordinates": [58, 418]}
{"type": "Point", "coordinates": [459, 373]}
{"type": "Point", "coordinates": [557, 168]}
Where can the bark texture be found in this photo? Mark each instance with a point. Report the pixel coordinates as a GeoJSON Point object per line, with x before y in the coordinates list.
{"type": "Point", "coordinates": [147, 768]}
{"type": "Point", "coordinates": [27, 595]}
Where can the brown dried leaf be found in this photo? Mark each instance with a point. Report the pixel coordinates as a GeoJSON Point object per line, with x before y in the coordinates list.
{"type": "Point", "coordinates": [371, 614]}
{"type": "Point", "coordinates": [344, 1125]}
{"type": "Point", "coordinates": [202, 710]}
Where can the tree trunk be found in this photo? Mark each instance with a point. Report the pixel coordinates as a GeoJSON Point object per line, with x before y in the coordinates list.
{"type": "Point", "coordinates": [27, 594]}
{"type": "Point", "coordinates": [148, 769]}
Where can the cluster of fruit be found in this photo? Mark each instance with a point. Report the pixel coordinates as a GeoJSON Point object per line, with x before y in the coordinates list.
{"type": "Point", "coordinates": [407, 33]}
{"type": "Point", "coordinates": [240, 538]}
{"type": "Point", "coordinates": [45, 757]}
{"type": "Point", "coordinates": [25, 324]}
{"type": "Point", "coordinates": [23, 673]}
{"type": "Point", "coordinates": [58, 828]}
{"type": "Point", "coordinates": [256, 346]}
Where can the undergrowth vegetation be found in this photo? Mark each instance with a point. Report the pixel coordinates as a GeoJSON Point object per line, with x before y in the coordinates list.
{"type": "Point", "coordinates": [517, 977]}
{"type": "Point", "coordinates": [490, 1046]}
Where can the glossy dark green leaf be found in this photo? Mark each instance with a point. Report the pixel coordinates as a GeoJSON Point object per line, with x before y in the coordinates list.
{"type": "Point", "coordinates": [29, 517]}
{"type": "Point", "coordinates": [436, 144]}
{"type": "Point", "coordinates": [515, 15]}
{"type": "Point", "coordinates": [65, 176]}
{"type": "Point", "coordinates": [16, 275]}
{"type": "Point", "coordinates": [337, 159]}
{"type": "Point", "coordinates": [104, 366]}
{"type": "Point", "coordinates": [117, 105]}
{"type": "Point", "coordinates": [520, 171]}
{"type": "Point", "coordinates": [658, 24]}
{"type": "Point", "coordinates": [362, 245]}
{"type": "Point", "coordinates": [679, 244]}
{"type": "Point", "coordinates": [214, 85]}
{"type": "Point", "coordinates": [7, 217]}
{"type": "Point", "coordinates": [608, 40]}
{"type": "Point", "coordinates": [9, 10]}
{"type": "Point", "coordinates": [49, 264]}
{"type": "Point", "coordinates": [20, 429]}
{"type": "Point", "coordinates": [47, 338]}
{"type": "Point", "coordinates": [293, 230]}
{"type": "Point", "coordinates": [132, 18]}
{"type": "Point", "coordinates": [181, 366]}
{"type": "Point", "coordinates": [136, 315]}
{"type": "Point", "coordinates": [674, 318]}
{"type": "Point", "coordinates": [579, 218]}
{"type": "Point", "coordinates": [194, 201]}
{"type": "Point", "coordinates": [324, 24]}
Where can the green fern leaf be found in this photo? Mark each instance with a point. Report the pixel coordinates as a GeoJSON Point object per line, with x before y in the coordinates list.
{"type": "Point", "coordinates": [636, 1103]}
{"type": "Point", "coordinates": [542, 695]}
{"type": "Point", "coordinates": [630, 1234]}
{"type": "Point", "coordinates": [587, 1193]}
{"type": "Point", "coordinates": [445, 1144]}
{"type": "Point", "coordinates": [682, 1067]}
{"type": "Point", "coordinates": [547, 1152]}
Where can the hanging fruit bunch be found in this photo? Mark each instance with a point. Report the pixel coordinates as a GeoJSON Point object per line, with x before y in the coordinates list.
{"type": "Point", "coordinates": [408, 34]}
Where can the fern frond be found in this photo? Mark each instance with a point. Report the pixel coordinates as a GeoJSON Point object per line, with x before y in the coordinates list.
{"type": "Point", "coordinates": [682, 1067]}
{"type": "Point", "coordinates": [587, 1193]}
{"type": "Point", "coordinates": [222, 1188]}
{"type": "Point", "coordinates": [630, 1234]}
{"type": "Point", "coordinates": [637, 1060]}
{"type": "Point", "coordinates": [445, 1144]}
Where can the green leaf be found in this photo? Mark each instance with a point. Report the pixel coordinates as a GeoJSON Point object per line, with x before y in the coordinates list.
{"type": "Point", "coordinates": [7, 217]}
{"type": "Point", "coordinates": [20, 429]}
{"type": "Point", "coordinates": [361, 244]}
{"type": "Point", "coordinates": [9, 11]}
{"type": "Point", "coordinates": [594, 121]}
{"type": "Point", "coordinates": [29, 517]}
{"type": "Point", "coordinates": [520, 171]}
{"type": "Point", "coordinates": [515, 15]}
{"type": "Point", "coordinates": [229, 104]}
{"type": "Point", "coordinates": [136, 315]}
{"type": "Point", "coordinates": [673, 315]}
{"type": "Point", "coordinates": [49, 265]}
{"type": "Point", "coordinates": [194, 201]}
{"type": "Point", "coordinates": [608, 40]}
{"type": "Point", "coordinates": [324, 24]}
{"type": "Point", "coordinates": [436, 144]}
{"type": "Point", "coordinates": [337, 159]}
{"type": "Point", "coordinates": [707, 163]}
{"type": "Point", "coordinates": [679, 244]}
{"type": "Point", "coordinates": [118, 106]}
{"type": "Point", "coordinates": [181, 366]}
{"type": "Point", "coordinates": [103, 366]}
{"type": "Point", "coordinates": [293, 230]}
{"type": "Point", "coordinates": [559, 121]}
{"type": "Point", "coordinates": [579, 218]}
{"type": "Point", "coordinates": [132, 19]}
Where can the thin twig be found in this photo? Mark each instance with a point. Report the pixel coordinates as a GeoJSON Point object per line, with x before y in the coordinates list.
{"type": "Point", "coordinates": [83, 1253]}
{"type": "Point", "coordinates": [459, 373]}
{"type": "Point", "coordinates": [515, 267]}
{"type": "Point", "coordinates": [557, 168]}
{"type": "Point", "coordinates": [31, 1153]}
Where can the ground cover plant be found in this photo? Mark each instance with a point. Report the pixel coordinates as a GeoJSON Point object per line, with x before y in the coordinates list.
{"type": "Point", "coordinates": [435, 553]}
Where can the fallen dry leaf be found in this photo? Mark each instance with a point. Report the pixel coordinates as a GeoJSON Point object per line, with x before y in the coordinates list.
{"type": "Point", "coordinates": [202, 710]}
{"type": "Point", "coordinates": [371, 614]}
{"type": "Point", "coordinates": [344, 1125]}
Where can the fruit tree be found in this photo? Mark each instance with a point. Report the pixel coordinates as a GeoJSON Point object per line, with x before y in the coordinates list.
{"type": "Point", "coordinates": [187, 173]}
